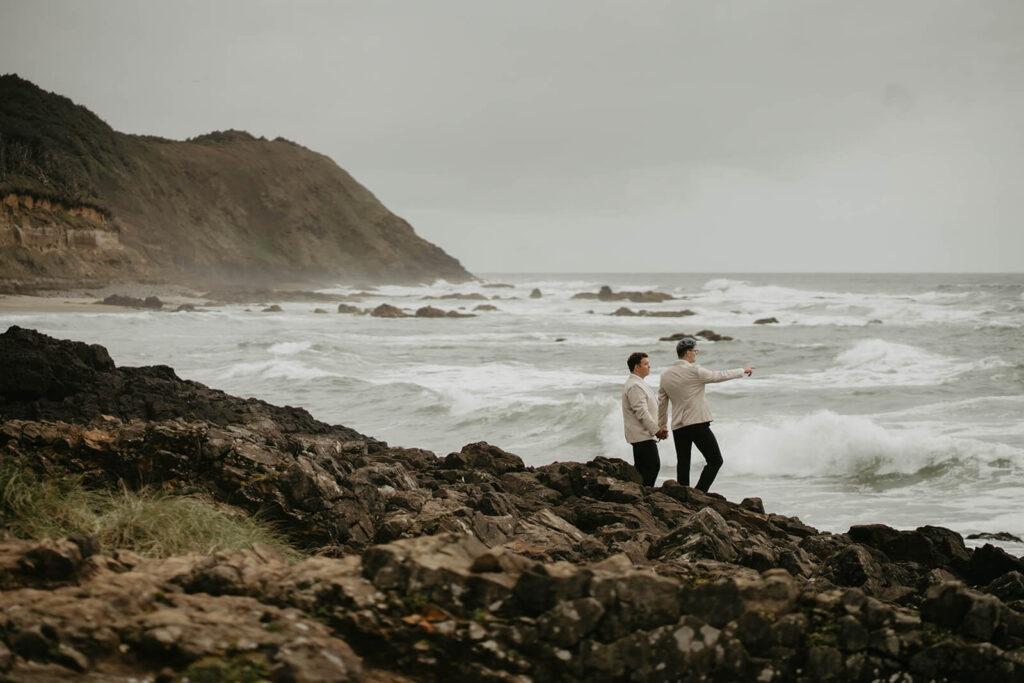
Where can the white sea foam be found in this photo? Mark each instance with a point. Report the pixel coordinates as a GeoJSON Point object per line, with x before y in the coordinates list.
{"type": "Point", "coordinates": [470, 387]}
{"type": "Point", "coordinates": [876, 362]}
{"type": "Point", "coordinates": [275, 369]}
{"type": "Point", "coordinates": [289, 348]}
{"type": "Point", "coordinates": [824, 307]}
{"type": "Point", "coordinates": [829, 444]}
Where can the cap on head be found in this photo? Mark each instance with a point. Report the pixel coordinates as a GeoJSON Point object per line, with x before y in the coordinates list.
{"type": "Point", "coordinates": [684, 345]}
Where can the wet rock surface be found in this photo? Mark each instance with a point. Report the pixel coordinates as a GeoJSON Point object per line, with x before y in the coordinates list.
{"type": "Point", "coordinates": [606, 294]}
{"type": "Point", "coordinates": [468, 567]}
{"type": "Point", "coordinates": [709, 335]}
{"type": "Point", "coordinates": [626, 311]}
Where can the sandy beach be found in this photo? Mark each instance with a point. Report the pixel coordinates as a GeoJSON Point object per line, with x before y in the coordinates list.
{"type": "Point", "coordinates": [51, 304]}
{"type": "Point", "coordinates": [90, 301]}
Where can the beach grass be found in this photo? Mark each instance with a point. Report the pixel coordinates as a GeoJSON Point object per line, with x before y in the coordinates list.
{"type": "Point", "coordinates": [150, 522]}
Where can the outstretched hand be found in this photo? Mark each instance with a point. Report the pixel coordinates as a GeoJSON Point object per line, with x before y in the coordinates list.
{"type": "Point", "coordinates": [749, 370]}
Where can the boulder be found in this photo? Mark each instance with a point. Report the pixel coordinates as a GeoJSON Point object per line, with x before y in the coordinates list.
{"type": "Point", "coordinates": [430, 312]}
{"type": "Point", "coordinates": [388, 311]}
{"type": "Point", "coordinates": [150, 302]}
{"type": "Point", "coordinates": [1003, 536]}
{"type": "Point", "coordinates": [989, 562]}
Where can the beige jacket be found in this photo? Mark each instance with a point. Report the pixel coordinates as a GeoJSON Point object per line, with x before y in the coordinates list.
{"type": "Point", "coordinates": [639, 405]}
{"type": "Point", "coordinates": [683, 385]}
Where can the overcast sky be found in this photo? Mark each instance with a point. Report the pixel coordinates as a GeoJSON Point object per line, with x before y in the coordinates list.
{"type": "Point", "coordinates": [675, 136]}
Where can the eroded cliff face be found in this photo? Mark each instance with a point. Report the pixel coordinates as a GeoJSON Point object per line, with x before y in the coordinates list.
{"type": "Point", "coordinates": [43, 241]}
{"type": "Point", "coordinates": [85, 201]}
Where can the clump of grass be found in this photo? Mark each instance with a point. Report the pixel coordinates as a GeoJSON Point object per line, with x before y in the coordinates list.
{"type": "Point", "coordinates": [150, 522]}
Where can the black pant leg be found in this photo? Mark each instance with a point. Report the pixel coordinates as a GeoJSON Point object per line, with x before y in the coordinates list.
{"type": "Point", "coordinates": [707, 444]}
{"type": "Point", "coordinates": [682, 439]}
{"type": "Point", "coordinates": [646, 461]}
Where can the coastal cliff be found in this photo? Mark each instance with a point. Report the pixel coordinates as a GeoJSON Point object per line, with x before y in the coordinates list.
{"type": "Point", "coordinates": [468, 567]}
{"type": "Point", "coordinates": [85, 203]}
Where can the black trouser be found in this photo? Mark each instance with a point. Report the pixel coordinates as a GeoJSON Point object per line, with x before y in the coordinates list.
{"type": "Point", "coordinates": [702, 436]}
{"type": "Point", "coordinates": [646, 460]}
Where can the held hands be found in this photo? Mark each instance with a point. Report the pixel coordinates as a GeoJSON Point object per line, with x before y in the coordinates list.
{"type": "Point", "coordinates": [749, 370]}
{"type": "Point", "coordinates": [661, 434]}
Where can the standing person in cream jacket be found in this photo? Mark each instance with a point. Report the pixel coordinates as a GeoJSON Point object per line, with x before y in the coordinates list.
{"type": "Point", "coordinates": [682, 385]}
{"type": "Point", "coordinates": [639, 406]}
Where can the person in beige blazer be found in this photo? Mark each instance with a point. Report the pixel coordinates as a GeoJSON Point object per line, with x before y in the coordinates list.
{"type": "Point", "coordinates": [682, 385]}
{"type": "Point", "coordinates": [639, 406]}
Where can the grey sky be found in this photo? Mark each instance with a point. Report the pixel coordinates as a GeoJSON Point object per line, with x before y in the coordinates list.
{"type": "Point", "coordinates": [702, 135]}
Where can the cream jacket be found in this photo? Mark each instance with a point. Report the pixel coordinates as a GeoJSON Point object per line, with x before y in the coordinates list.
{"type": "Point", "coordinates": [639, 405]}
{"type": "Point", "coordinates": [682, 384]}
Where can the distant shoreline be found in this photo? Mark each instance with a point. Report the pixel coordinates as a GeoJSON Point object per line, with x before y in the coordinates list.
{"type": "Point", "coordinates": [78, 302]}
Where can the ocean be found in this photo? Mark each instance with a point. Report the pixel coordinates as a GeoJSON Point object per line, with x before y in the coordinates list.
{"type": "Point", "coordinates": [894, 399]}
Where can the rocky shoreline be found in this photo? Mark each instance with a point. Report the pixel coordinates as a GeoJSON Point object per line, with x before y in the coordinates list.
{"type": "Point", "coordinates": [467, 567]}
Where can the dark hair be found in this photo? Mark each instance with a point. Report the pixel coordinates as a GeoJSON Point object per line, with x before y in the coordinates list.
{"type": "Point", "coordinates": [634, 359]}
{"type": "Point", "coordinates": [684, 345]}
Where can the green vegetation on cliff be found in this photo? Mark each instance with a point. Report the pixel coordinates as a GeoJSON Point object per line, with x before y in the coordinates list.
{"type": "Point", "coordinates": [225, 205]}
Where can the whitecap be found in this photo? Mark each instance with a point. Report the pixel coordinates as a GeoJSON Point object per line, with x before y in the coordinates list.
{"type": "Point", "coordinates": [275, 369]}
{"type": "Point", "coordinates": [289, 348]}
{"type": "Point", "coordinates": [829, 444]}
{"type": "Point", "coordinates": [877, 362]}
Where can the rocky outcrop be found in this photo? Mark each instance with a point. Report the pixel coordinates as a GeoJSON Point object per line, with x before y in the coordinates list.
{"type": "Point", "coordinates": [471, 566]}
{"type": "Point", "coordinates": [626, 311]}
{"type": "Point", "coordinates": [709, 335]}
{"type": "Point", "coordinates": [82, 202]}
{"type": "Point", "coordinates": [606, 294]}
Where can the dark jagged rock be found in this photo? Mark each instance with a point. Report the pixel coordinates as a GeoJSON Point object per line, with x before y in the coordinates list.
{"type": "Point", "coordinates": [709, 335]}
{"type": "Point", "coordinates": [388, 311]}
{"type": "Point", "coordinates": [473, 296]}
{"type": "Point", "coordinates": [429, 312]}
{"type": "Point", "coordinates": [55, 380]}
{"type": "Point", "coordinates": [536, 293]}
{"type": "Point", "coordinates": [469, 567]}
{"type": "Point", "coordinates": [349, 308]}
{"type": "Point", "coordinates": [989, 562]}
{"type": "Point", "coordinates": [653, 314]}
{"type": "Point", "coordinates": [133, 302]}
{"type": "Point", "coordinates": [765, 321]}
{"type": "Point", "coordinates": [998, 536]}
{"type": "Point", "coordinates": [606, 294]}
